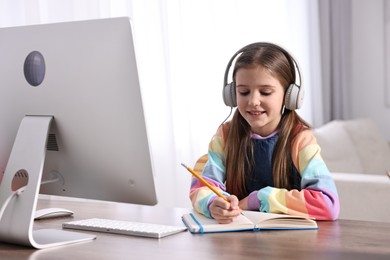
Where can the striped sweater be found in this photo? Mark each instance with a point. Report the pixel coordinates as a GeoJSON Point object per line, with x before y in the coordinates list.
{"type": "Point", "coordinates": [317, 197]}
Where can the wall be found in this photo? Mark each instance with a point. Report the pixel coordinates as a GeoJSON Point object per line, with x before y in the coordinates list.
{"type": "Point", "coordinates": [368, 78]}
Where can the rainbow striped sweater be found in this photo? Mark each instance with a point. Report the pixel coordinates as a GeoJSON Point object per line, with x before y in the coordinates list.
{"type": "Point", "coordinates": [317, 197]}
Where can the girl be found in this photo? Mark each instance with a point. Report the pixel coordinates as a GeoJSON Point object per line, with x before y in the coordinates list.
{"type": "Point", "coordinates": [266, 158]}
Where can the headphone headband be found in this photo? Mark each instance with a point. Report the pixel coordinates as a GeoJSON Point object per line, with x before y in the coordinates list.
{"type": "Point", "coordinates": [294, 93]}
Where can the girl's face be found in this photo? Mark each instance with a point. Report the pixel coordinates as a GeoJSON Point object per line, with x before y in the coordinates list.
{"type": "Point", "coordinates": [260, 98]}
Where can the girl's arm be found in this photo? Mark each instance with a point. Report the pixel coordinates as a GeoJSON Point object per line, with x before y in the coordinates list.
{"type": "Point", "coordinates": [318, 197]}
{"type": "Point", "coordinates": [214, 173]}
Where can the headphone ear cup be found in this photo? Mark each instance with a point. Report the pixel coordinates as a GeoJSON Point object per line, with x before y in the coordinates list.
{"type": "Point", "coordinates": [294, 97]}
{"type": "Point", "coordinates": [229, 95]}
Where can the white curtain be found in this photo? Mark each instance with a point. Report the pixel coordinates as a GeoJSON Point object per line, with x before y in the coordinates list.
{"type": "Point", "coordinates": [182, 49]}
{"type": "Point", "coordinates": [335, 27]}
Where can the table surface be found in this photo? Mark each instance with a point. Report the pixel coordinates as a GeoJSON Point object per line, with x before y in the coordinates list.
{"type": "Point", "coordinates": [341, 239]}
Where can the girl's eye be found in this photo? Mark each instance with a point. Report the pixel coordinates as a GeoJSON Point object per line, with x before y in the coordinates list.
{"type": "Point", "coordinates": [266, 93]}
{"type": "Point", "coordinates": [243, 93]}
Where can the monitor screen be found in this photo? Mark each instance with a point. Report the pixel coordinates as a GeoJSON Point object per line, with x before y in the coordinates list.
{"type": "Point", "coordinates": [84, 75]}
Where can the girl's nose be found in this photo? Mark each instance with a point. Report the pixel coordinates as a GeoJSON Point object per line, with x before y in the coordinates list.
{"type": "Point", "coordinates": [254, 100]}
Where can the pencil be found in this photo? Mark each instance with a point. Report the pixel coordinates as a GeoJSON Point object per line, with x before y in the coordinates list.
{"type": "Point", "coordinates": [205, 182]}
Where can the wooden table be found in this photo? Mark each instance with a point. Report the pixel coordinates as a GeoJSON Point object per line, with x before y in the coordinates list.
{"type": "Point", "coordinates": [342, 239]}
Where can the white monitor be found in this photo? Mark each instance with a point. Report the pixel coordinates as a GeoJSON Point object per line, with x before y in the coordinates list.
{"type": "Point", "coordinates": [74, 87]}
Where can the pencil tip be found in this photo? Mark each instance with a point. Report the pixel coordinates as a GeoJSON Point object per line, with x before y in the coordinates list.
{"type": "Point", "coordinates": [185, 166]}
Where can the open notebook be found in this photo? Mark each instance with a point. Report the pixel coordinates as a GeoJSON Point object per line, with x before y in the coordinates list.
{"type": "Point", "coordinates": [249, 220]}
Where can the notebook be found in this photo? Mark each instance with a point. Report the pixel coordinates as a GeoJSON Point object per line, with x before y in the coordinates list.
{"type": "Point", "coordinates": [248, 221]}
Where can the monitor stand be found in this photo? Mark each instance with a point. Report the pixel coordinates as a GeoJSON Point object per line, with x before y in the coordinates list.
{"type": "Point", "coordinates": [17, 203]}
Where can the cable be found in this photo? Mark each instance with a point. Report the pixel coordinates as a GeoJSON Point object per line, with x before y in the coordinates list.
{"type": "Point", "coordinates": [6, 202]}
{"type": "Point", "coordinates": [56, 177]}
{"type": "Point", "coordinates": [50, 181]}
{"type": "Point", "coordinates": [231, 110]}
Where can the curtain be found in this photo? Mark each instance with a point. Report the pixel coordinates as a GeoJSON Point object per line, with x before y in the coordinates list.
{"type": "Point", "coordinates": [335, 33]}
{"type": "Point", "coordinates": [182, 49]}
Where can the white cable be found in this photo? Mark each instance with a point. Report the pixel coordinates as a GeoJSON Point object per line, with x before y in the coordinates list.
{"type": "Point", "coordinates": [50, 181]}
{"type": "Point", "coordinates": [231, 111]}
{"type": "Point", "coordinates": [55, 179]}
{"type": "Point", "coordinates": [6, 202]}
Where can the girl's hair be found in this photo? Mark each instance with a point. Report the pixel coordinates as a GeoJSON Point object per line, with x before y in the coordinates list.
{"type": "Point", "coordinates": [239, 147]}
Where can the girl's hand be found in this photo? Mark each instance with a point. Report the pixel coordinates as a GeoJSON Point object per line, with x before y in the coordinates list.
{"type": "Point", "coordinates": [225, 212]}
{"type": "Point", "coordinates": [243, 204]}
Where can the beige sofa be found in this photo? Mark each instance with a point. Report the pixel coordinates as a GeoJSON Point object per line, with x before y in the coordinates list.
{"type": "Point", "coordinates": [358, 156]}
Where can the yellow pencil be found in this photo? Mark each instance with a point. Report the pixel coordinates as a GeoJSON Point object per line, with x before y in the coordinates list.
{"type": "Point", "coordinates": [205, 182]}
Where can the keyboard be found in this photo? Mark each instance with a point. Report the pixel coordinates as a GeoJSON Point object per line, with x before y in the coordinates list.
{"type": "Point", "coordinates": [124, 227]}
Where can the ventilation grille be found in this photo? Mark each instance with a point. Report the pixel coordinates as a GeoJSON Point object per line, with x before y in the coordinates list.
{"type": "Point", "coordinates": [21, 174]}
{"type": "Point", "coordinates": [52, 144]}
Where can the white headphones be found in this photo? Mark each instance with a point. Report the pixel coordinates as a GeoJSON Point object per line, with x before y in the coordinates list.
{"type": "Point", "coordinates": [294, 94]}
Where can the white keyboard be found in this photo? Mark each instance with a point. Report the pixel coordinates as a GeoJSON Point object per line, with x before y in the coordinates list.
{"type": "Point", "coordinates": [124, 227]}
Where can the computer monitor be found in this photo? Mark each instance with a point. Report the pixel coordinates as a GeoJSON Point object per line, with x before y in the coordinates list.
{"type": "Point", "coordinates": [71, 112]}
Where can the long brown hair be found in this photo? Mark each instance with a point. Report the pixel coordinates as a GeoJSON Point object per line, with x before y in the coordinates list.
{"type": "Point", "coordinates": [239, 147]}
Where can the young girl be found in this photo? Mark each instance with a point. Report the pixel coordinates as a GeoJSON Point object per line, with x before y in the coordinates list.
{"type": "Point", "coordinates": [266, 158]}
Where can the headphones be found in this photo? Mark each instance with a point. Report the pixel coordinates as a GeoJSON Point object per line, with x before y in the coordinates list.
{"type": "Point", "coordinates": [294, 94]}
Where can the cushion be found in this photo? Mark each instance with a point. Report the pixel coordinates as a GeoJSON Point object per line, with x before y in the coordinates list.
{"type": "Point", "coordinates": [371, 145]}
{"type": "Point", "coordinates": [337, 148]}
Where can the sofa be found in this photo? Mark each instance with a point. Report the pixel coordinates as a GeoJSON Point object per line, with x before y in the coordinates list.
{"type": "Point", "coordinates": [358, 156]}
